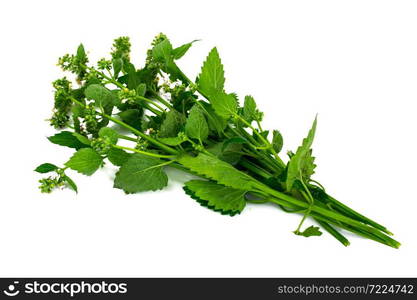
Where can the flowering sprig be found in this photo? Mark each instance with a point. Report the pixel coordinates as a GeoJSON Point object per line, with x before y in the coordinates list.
{"type": "Point", "coordinates": [104, 64]}
{"type": "Point", "coordinates": [75, 63]}
{"type": "Point", "coordinates": [58, 180]}
{"type": "Point", "coordinates": [62, 103]}
{"type": "Point", "coordinates": [121, 48]}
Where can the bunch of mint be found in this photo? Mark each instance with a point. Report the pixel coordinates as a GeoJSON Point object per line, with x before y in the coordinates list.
{"type": "Point", "coordinates": [197, 127]}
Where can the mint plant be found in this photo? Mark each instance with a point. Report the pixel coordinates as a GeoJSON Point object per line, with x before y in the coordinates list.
{"type": "Point", "coordinates": [197, 127]}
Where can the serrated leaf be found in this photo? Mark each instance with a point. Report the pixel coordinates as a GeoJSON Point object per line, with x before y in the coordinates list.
{"type": "Point", "coordinates": [217, 197]}
{"type": "Point", "coordinates": [249, 108]}
{"type": "Point", "coordinates": [277, 141]}
{"type": "Point", "coordinates": [310, 231]}
{"type": "Point", "coordinates": [196, 126]}
{"type": "Point", "coordinates": [71, 184]}
{"type": "Point", "coordinates": [225, 105]}
{"type": "Point", "coordinates": [173, 141]}
{"type": "Point", "coordinates": [46, 168]}
{"type": "Point", "coordinates": [172, 124]}
{"type": "Point", "coordinates": [218, 170]}
{"type": "Point", "coordinates": [67, 139]}
{"type": "Point", "coordinates": [307, 169]}
{"type": "Point", "coordinates": [102, 96]}
{"type": "Point", "coordinates": [211, 79]}
{"type": "Point", "coordinates": [215, 122]}
{"type": "Point", "coordinates": [117, 66]}
{"type": "Point", "coordinates": [118, 157]}
{"type": "Point", "coordinates": [301, 164]}
{"type": "Point", "coordinates": [82, 138]}
{"type": "Point", "coordinates": [109, 133]}
{"type": "Point", "coordinates": [141, 173]}
{"type": "Point", "coordinates": [85, 161]}
{"type": "Point", "coordinates": [179, 52]}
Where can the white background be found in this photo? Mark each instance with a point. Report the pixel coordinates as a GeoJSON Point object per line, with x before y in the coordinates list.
{"type": "Point", "coordinates": [352, 62]}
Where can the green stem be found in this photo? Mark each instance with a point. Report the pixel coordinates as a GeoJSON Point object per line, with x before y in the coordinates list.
{"type": "Point", "coordinates": [283, 199]}
{"type": "Point", "coordinates": [265, 141]}
{"type": "Point", "coordinates": [143, 152]}
{"type": "Point", "coordinates": [162, 100]}
{"type": "Point", "coordinates": [271, 149]}
{"type": "Point", "coordinates": [141, 134]}
{"type": "Point", "coordinates": [318, 184]}
{"type": "Point", "coordinates": [387, 241]}
{"type": "Point", "coordinates": [259, 125]}
{"type": "Point", "coordinates": [341, 208]}
{"type": "Point", "coordinates": [354, 214]}
{"type": "Point", "coordinates": [333, 232]}
{"type": "Point", "coordinates": [118, 84]}
{"type": "Point", "coordinates": [271, 161]}
{"type": "Point", "coordinates": [134, 130]}
{"type": "Point", "coordinates": [255, 169]}
{"type": "Point", "coordinates": [112, 80]}
{"type": "Point", "coordinates": [128, 138]}
{"type": "Point", "coordinates": [150, 101]}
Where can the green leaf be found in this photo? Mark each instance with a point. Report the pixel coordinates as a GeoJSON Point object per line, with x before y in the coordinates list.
{"type": "Point", "coordinates": [102, 96]}
{"type": "Point", "coordinates": [82, 138]}
{"type": "Point", "coordinates": [226, 153]}
{"type": "Point", "coordinates": [71, 183]}
{"type": "Point", "coordinates": [46, 168]}
{"type": "Point", "coordinates": [307, 168]}
{"type": "Point", "coordinates": [249, 109]}
{"type": "Point", "coordinates": [301, 164]}
{"type": "Point", "coordinates": [179, 52]}
{"type": "Point", "coordinates": [225, 105]}
{"type": "Point", "coordinates": [117, 156]}
{"type": "Point", "coordinates": [250, 112]}
{"type": "Point", "coordinates": [211, 79]}
{"type": "Point", "coordinates": [196, 126]}
{"type": "Point", "coordinates": [117, 66]}
{"type": "Point", "coordinates": [310, 231]}
{"type": "Point", "coordinates": [141, 173]}
{"type": "Point", "coordinates": [277, 141]}
{"type": "Point", "coordinates": [215, 122]}
{"type": "Point", "coordinates": [81, 56]}
{"type": "Point", "coordinates": [226, 200]}
{"type": "Point", "coordinates": [128, 67]}
{"type": "Point", "coordinates": [85, 161]}
{"type": "Point", "coordinates": [109, 133]}
{"type": "Point", "coordinates": [173, 141]}
{"type": "Point", "coordinates": [141, 89]}
{"type": "Point", "coordinates": [133, 79]}
{"type": "Point", "coordinates": [67, 139]}
{"type": "Point", "coordinates": [173, 123]}
{"type": "Point", "coordinates": [234, 140]}
{"type": "Point", "coordinates": [163, 51]}
{"type": "Point", "coordinates": [132, 117]}
{"type": "Point", "coordinates": [264, 133]}
{"type": "Point", "coordinates": [218, 170]}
